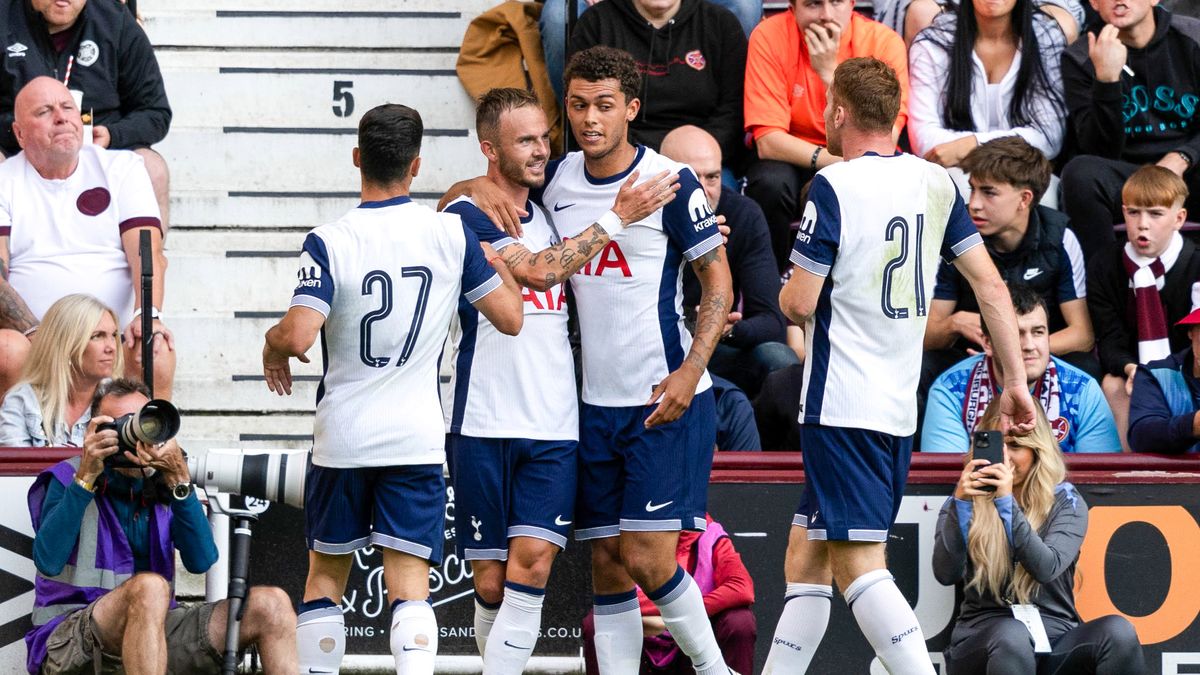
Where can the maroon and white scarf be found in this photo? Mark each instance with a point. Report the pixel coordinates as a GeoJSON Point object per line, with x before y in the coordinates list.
{"type": "Point", "coordinates": [1146, 278]}
{"type": "Point", "coordinates": [982, 388]}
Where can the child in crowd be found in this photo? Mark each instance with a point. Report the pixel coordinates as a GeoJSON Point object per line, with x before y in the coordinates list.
{"type": "Point", "coordinates": [1138, 289]}
{"type": "Point", "coordinates": [1031, 245]}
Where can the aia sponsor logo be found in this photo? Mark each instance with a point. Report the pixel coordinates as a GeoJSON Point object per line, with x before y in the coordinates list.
{"type": "Point", "coordinates": [610, 260]}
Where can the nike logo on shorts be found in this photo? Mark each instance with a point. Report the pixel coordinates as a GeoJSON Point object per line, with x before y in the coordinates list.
{"type": "Point", "coordinates": [652, 507]}
{"type": "Point", "coordinates": [413, 649]}
{"type": "Point", "coordinates": [559, 207]}
{"type": "Point", "coordinates": [560, 522]}
{"type": "Point", "coordinates": [509, 644]}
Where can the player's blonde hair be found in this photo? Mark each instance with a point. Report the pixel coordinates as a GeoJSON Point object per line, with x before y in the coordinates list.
{"type": "Point", "coordinates": [56, 356]}
{"type": "Point", "coordinates": [987, 543]}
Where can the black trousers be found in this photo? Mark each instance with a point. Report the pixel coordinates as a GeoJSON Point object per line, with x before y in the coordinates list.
{"type": "Point", "coordinates": [778, 187]}
{"type": "Point", "coordinates": [1001, 645]}
{"type": "Point", "coordinates": [1091, 196]}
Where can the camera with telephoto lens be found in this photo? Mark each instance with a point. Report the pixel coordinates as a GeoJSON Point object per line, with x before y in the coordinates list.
{"type": "Point", "coordinates": [157, 422]}
{"type": "Point", "coordinates": [273, 475]}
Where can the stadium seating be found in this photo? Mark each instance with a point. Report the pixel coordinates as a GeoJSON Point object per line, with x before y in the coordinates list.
{"type": "Point", "coordinates": [259, 155]}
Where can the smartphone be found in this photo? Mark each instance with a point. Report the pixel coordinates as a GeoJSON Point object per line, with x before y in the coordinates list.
{"type": "Point", "coordinates": [989, 445]}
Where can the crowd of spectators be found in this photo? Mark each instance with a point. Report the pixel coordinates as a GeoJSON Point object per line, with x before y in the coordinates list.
{"type": "Point", "coordinates": [1010, 97]}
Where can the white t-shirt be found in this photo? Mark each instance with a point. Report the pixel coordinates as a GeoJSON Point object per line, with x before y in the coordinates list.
{"type": "Point", "coordinates": [507, 386]}
{"type": "Point", "coordinates": [65, 235]}
{"type": "Point", "coordinates": [387, 277]}
{"type": "Point", "coordinates": [630, 296]}
{"type": "Point", "coordinates": [878, 250]}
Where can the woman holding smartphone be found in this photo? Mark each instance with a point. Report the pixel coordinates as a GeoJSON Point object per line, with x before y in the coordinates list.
{"type": "Point", "coordinates": [1010, 537]}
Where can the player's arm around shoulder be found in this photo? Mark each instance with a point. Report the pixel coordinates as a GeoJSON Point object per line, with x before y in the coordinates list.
{"type": "Point", "coordinates": [503, 305]}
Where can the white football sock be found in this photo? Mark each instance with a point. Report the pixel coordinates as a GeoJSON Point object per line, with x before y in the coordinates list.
{"type": "Point", "coordinates": [320, 637]}
{"type": "Point", "coordinates": [414, 637]}
{"type": "Point", "coordinates": [889, 624]}
{"type": "Point", "coordinates": [682, 609]}
{"type": "Point", "coordinates": [801, 626]}
{"type": "Point", "coordinates": [516, 630]}
{"type": "Point", "coordinates": [485, 616]}
{"type": "Point", "coordinates": [618, 633]}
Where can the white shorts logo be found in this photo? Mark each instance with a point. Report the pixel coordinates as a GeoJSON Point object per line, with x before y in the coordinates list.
{"type": "Point", "coordinates": [88, 53]}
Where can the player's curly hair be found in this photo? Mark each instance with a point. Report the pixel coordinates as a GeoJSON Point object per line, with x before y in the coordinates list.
{"type": "Point", "coordinates": [389, 139]}
{"type": "Point", "coordinates": [605, 63]}
{"type": "Point", "coordinates": [496, 102]}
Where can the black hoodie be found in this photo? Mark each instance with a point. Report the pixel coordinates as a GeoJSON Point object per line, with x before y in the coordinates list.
{"type": "Point", "coordinates": [693, 68]}
{"type": "Point", "coordinates": [1148, 114]}
{"type": "Point", "coordinates": [114, 66]}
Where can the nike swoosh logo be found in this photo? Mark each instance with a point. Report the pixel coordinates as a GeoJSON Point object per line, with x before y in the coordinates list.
{"type": "Point", "coordinates": [558, 208]}
{"type": "Point", "coordinates": [322, 670]}
{"type": "Point", "coordinates": [560, 522]}
{"type": "Point", "coordinates": [1029, 274]}
{"type": "Point", "coordinates": [509, 644]}
{"type": "Point", "coordinates": [413, 649]}
{"type": "Point", "coordinates": [651, 507]}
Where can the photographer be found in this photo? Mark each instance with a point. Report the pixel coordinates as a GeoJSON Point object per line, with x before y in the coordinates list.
{"type": "Point", "coordinates": [1010, 537]}
{"type": "Point", "coordinates": [104, 550]}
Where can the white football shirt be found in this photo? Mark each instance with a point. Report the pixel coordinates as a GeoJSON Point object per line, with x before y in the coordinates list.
{"type": "Point", "coordinates": [878, 250]}
{"type": "Point", "coordinates": [513, 386]}
{"type": "Point", "coordinates": [65, 235]}
{"type": "Point", "coordinates": [630, 296]}
{"type": "Point", "coordinates": [387, 277]}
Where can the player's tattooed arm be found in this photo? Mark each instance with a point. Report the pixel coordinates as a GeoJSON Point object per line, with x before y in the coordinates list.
{"type": "Point", "coordinates": [674, 394]}
{"type": "Point", "coordinates": [716, 297]}
{"type": "Point", "coordinates": [548, 267]}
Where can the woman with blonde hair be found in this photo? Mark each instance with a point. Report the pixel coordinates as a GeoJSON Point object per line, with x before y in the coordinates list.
{"type": "Point", "coordinates": [77, 347]}
{"type": "Point", "coordinates": [1012, 551]}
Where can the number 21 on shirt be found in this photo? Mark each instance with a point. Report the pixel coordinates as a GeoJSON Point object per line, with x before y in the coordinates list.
{"type": "Point", "coordinates": [899, 229]}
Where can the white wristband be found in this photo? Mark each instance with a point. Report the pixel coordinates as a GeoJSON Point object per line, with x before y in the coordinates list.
{"type": "Point", "coordinates": [609, 222]}
{"type": "Point", "coordinates": [153, 313]}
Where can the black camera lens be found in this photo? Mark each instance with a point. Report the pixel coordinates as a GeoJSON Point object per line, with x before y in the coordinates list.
{"type": "Point", "coordinates": [157, 422]}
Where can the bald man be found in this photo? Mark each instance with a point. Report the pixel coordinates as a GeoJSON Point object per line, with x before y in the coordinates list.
{"type": "Point", "coordinates": [99, 49]}
{"type": "Point", "coordinates": [70, 219]}
{"type": "Point", "coordinates": [754, 342]}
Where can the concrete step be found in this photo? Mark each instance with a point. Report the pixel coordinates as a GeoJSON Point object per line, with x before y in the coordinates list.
{"type": "Point", "coordinates": [242, 394]}
{"type": "Point", "coordinates": [247, 431]}
{"type": "Point", "coordinates": [221, 274]}
{"type": "Point", "coordinates": [150, 8]}
{"type": "Point", "coordinates": [205, 209]}
{"type": "Point", "coordinates": [290, 162]}
{"type": "Point", "coordinates": [260, 89]}
{"type": "Point", "coordinates": [400, 25]}
{"type": "Point", "coordinates": [229, 346]}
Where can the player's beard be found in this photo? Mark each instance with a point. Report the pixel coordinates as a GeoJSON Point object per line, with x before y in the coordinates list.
{"type": "Point", "coordinates": [517, 172]}
{"type": "Point", "coordinates": [833, 140]}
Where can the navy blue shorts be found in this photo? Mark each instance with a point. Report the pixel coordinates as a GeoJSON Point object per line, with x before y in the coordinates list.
{"type": "Point", "coordinates": [398, 507]}
{"type": "Point", "coordinates": [506, 488]}
{"type": "Point", "coordinates": [854, 481]}
{"type": "Point", "coordinates": [636, 479]}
